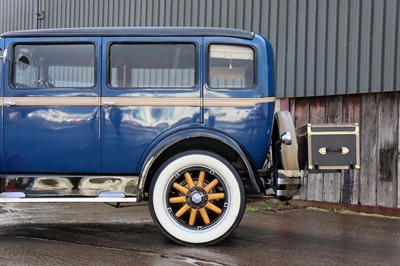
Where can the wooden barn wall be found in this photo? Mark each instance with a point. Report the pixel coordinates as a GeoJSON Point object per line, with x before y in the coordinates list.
{"type": "Point", "coordinates": [377, 183]}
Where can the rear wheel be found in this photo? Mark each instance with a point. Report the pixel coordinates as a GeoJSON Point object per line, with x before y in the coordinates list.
{"type": "Point", "coordinates": [197, 197]}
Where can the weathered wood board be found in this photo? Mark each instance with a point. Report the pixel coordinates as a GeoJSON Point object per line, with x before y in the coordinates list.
{"type": "Point", "coordinates": [377, 183]}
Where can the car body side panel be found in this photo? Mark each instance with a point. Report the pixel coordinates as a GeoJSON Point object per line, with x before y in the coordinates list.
{"type": "Point", "coordinates": [117, 131]}
{"type": "Point", "coordinates": [52, 130]}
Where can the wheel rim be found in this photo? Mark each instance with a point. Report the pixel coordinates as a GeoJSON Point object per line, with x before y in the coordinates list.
{"type": "Point", "coordinates": [197, 198]}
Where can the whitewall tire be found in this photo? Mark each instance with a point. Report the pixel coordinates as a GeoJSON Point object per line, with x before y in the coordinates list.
{"type": "Point", "coordinates": [197, 197]}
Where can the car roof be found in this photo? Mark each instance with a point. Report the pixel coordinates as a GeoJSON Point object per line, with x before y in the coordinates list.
{"type": "Point", "coordinates": [133, 31]}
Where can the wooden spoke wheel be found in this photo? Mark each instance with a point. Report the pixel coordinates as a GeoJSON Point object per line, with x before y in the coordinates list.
{"type": "Point", "coordinates": [197, 198]}
{"type": "Point", "coordinates": [196, 201]}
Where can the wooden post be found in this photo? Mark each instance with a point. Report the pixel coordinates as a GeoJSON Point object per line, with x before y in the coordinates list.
{"type": "Point", "coordinates": [332, 181]}
{"type": "Point", "coordinates": [301, 117]}
{"type": "Point", "coordinates": [387, 149]}
{"type": "Point", "coordinates": [351, 179]}
{"type": "Point", "coordinates": [316, 181]}
{"type": "Point", "coordinates": [369, 128]}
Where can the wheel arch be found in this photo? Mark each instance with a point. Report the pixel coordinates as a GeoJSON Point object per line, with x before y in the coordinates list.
{"type": "Point", "coordinates": [207, 140]}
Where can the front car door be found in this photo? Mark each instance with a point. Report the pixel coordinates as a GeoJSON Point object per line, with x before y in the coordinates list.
{"type": "Point", "coordinates": [51, 105]}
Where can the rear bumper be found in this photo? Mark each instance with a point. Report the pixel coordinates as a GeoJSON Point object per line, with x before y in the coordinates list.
{"type": "Point", "coordinates": [288, 183]}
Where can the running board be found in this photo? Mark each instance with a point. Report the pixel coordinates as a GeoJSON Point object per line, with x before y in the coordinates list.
{"type": "Point", "coordinates": [16, 197]}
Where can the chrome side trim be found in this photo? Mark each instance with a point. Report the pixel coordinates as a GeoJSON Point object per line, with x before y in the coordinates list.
{"type": "Point", "coordinates": [72, 200]}
{"type": "Point", "coordinates": [289, 181]}
{"type": "Point", "coordinates": [148, 101]}
{"type": "Point", "coordinates": [287, 193]}
{"type": "Point", "coordinates": [51, 101]}
{"type": "Point", "coordinates": [237, 102]}
{"type": "Point", "coordinates": [13, 195]}
{"type": "Point", "coordinates": [133, 101]}
{"type": "Point", "coordinates": [66, 176]}
{"type": "Point", "coordinates": [70, 188]}
{"type": "Point", "coordinates": [111, 195]}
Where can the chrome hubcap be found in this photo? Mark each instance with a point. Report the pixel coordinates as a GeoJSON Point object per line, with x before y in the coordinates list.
{"type": "Point", "coordinates": [196, 198]}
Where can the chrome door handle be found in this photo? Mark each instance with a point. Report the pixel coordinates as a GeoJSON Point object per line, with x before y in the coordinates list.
{"type": "Point", "coordinates": [108, 103]}
{"type": "Point", "coordinates": [9, 103]}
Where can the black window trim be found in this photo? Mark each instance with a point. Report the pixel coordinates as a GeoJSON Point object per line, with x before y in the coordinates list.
{"type": "Point", "coordinates": [12, 63]}
{"type": "Point", "coordinates": [207, 59]}
{"type": "Point", "coordinates": [108, 66]}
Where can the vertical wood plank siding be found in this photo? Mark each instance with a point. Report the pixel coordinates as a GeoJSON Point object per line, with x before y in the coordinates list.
{"type": "Point", "coordinates": [322, 48]}
{"type": "Point", "coordinates": [377, 183]}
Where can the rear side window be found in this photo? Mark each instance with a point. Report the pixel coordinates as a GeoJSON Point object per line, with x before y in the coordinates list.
{"type": "Point", "coordinates": [53, 66]}
{"type": "Point", "coordinates": [168, 65]}
{"type": "Point", "coordinates": [231, 67]}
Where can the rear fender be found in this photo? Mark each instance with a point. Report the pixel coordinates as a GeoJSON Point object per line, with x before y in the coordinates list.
{"type": "Point", "coordinates": [190, 137]}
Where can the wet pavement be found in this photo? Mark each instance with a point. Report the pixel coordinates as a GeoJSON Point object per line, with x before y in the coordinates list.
{"type": "Point", "coordinates": [99, 234]}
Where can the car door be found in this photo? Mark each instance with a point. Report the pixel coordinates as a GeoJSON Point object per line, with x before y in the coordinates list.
{"type": "Point", "coordinates": [3, 53]}
{"type": "Point", "coordinates": [237, 97]}
{"type": "Point", "coordinates": [51, 105]}
{"type": "Point", "coordinates": [150, 89]}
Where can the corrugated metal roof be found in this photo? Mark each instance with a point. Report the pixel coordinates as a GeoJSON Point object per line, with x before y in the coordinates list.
{"type": "Point", "coordinates": [322, 47]}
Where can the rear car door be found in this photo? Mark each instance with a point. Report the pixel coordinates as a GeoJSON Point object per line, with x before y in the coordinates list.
{"type": "Point", "coordinates": [51, 105]}
{"type": "Point", "coordinates": [150, 90]}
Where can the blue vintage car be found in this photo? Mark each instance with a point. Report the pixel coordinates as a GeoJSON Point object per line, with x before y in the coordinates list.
{"type": "Point", "coordinates": [180, 117]}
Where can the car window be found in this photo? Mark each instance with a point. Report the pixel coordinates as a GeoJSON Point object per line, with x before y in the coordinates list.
{"type": "Point", "coordinates": [154, 65]}
{"type": "Point", "coordinates": [53, 66]}
{"type": "Point", "coordinates": [230, 67]}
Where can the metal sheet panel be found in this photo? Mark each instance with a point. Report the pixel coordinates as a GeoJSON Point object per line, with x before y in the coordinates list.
{"type": "Point", "coordinates": [389, 46]}
{"type": "Point", "coordinates": [301, 52]}
{"type": "Point", "coordinates": [322, 47]}
{"type": "Point", "coordinates": [311, 31]}
{"type": "Point", "coordinates": [290, 73]}
{"type": "Point", "coordinates": [377, 45]}
{"type": "Point", "coordinates": [397, 53]}
{"type": "Point", "coordinates": [322, 24]}
{"type": "Point", "coordinates": [354, 45]}
{"type": "Point", "coordinates": [342, 46]}
{"type": "Point", "coordinates": [18, 14]}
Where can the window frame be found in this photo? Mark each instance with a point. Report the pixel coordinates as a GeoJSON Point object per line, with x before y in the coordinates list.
{"type": "Point", "coordinates": [108, 66]}
{"type": "Point", "coordinates": [13, 65]}
{"type": "Point", "coordinates": [255, 65]}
